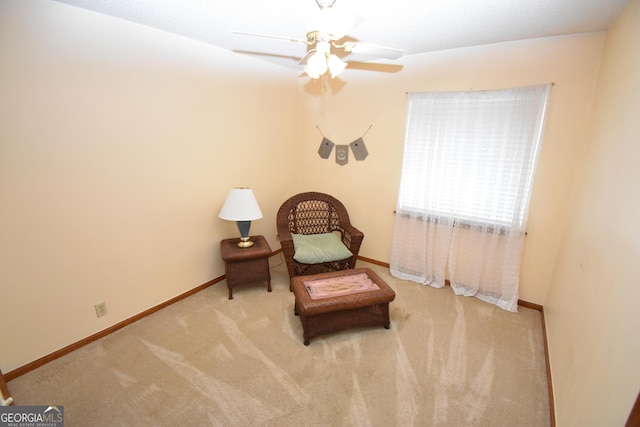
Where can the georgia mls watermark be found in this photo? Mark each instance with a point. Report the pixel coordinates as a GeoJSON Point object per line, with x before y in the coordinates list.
{"type": "Point", "coordinates": [31, 416]}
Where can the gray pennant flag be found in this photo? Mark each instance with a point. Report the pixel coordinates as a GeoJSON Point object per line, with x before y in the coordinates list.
{"type": "Point", "coordinates": [325, 148]}
{"type": "Point", "coordinates": [359, 150]}
{"type": "Point", "coordinates": [342, 154]}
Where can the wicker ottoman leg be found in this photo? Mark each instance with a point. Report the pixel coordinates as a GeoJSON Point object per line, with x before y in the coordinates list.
{"type": "Point", "coordinates": [385, 313]}
{"type": "Point", "coordinates": [305, 329]}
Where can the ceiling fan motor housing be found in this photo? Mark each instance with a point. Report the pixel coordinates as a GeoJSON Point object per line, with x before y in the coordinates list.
{"type": "Point", "coordinates": [332, 23]}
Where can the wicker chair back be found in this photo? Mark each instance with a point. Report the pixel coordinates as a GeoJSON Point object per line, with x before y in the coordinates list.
{"type": "Point", "coordinates": [316, 213]}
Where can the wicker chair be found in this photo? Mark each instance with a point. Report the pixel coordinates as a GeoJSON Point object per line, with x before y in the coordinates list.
{"type": "Point", "coordinates": [316, 213]}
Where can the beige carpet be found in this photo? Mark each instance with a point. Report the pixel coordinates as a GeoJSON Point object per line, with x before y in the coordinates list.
{"type": "Point", "coordinates": [209, 361]}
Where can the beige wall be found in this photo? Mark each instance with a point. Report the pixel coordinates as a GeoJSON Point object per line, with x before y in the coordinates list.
{"type": "Point", "coordinates": [118, 145]}
{"type": "Point", "coordinates": [593, 321]}
{"type": "Point", "coordinates": [369, 188]}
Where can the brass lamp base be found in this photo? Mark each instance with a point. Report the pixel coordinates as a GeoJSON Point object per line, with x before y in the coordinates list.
{"type": "Point", "coordinates": [245, 242]}
{"type": "Point", "coordinates": [243, 228]}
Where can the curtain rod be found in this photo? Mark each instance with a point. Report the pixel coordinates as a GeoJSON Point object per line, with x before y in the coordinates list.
{"type": "Point", "coordinates": [552, 84]}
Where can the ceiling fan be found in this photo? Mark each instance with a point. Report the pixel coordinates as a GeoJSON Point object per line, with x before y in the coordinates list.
{"type": "Point", "coordinates": [328, 42]}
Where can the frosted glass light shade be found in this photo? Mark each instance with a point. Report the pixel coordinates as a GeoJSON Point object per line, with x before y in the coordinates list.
{"type": "Point", "coordinates": [319, 63]}
{"type": "Point", "coordinates": [316, 65]}
{"type": "Point", "coordinates": [335, 65]}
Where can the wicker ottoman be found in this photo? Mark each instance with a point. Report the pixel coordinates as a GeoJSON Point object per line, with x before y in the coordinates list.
{"type": "Point", "coordinates": [335, 301]}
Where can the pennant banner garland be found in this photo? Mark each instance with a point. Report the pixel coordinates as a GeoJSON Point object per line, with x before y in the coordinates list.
{"type": "Point", "coordinates": [342, 151]}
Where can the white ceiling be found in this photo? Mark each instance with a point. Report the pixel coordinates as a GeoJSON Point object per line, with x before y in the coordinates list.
{"type": "Point", "coordinates": [414, 26]}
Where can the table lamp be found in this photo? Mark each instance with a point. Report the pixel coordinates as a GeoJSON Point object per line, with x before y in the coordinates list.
{"type": "Point", "coordinates": [241, 206]}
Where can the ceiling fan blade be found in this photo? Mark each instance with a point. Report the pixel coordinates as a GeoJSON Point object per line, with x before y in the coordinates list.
{"type": "Point", "coordinates": [271, 37]}
{"type": "Point", "coordinates": [285, 60]}
{"type": "Point", "coordinates": [373, 50]}
{"type": "Point", "coordinates": [372, 66]}
{"type": "Point", "coordinates": [275, 55]}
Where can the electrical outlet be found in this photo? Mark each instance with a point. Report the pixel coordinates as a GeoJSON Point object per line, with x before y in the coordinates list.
{"type": "Point", "coordinates": [101, 309]}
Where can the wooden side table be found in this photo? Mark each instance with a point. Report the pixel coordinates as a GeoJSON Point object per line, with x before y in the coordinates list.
{"type": "Point", "coordinates": [243, 265]}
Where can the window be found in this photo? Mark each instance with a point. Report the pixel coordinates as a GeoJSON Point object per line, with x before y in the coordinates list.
{"type": "Point", "coordinates": [467, 175]}
{"type": "Point", "coordinates": [471, 156]}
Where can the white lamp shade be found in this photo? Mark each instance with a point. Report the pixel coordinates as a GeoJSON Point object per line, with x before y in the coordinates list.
{"type": "Point", "coordinates": [241, 205]}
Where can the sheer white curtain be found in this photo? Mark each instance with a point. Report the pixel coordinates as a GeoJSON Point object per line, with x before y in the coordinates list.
{"type": "Point", "coordinates": [467, 172]}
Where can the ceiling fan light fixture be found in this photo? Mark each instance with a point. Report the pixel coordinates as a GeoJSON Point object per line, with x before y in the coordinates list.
{"type": "Point", "coordinates": [326, 33]}
{"type": "Point", "coordinates": [335, 65]}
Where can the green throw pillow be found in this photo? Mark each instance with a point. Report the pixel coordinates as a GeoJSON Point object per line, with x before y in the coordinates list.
{"type": "Point", "coordinates": [317, 248]}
